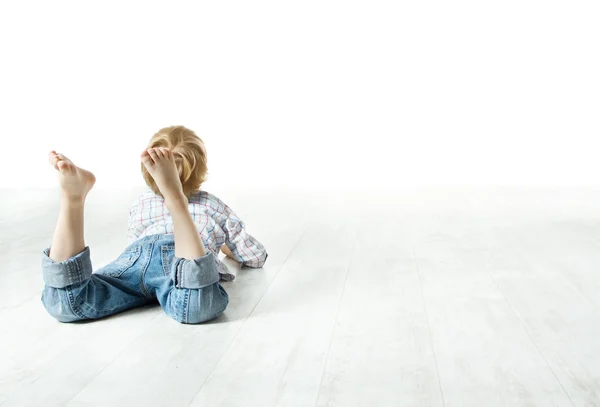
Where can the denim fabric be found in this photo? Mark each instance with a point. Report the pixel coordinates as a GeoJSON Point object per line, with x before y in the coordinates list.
{"type": "Point", "coordinates": [146, 272]}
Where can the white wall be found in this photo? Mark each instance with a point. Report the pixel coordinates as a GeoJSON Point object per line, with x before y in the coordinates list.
{"type": "Point", "coordinates": [306, 92]}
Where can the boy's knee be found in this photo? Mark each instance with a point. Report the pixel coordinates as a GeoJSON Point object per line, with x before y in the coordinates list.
{"type": "Point", "coordinates": [56, 303]}
{"type": "Point", "coordinates": [202, 305]}
{"type": "Point", "coordinates": [197, 296]}
{"type": "Point", "coordinates": [209, 304]}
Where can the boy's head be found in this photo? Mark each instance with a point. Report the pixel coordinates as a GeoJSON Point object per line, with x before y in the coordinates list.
{"type": "Point", "coordinates": [190, 157]}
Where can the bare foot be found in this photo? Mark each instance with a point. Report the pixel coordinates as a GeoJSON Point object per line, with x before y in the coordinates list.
{"type": "Point", "coordinates": [75, 182]}
{"type": "Point", "coordinates": [161, 165]}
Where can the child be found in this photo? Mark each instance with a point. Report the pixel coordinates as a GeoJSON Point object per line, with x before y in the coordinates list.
{"type": "Point", "coordinates": [175, 234]}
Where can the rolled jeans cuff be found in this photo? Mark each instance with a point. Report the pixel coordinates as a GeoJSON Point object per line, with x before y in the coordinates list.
{"type": "Point", "coordinates": [197, 273]}
{"type": "Point", "coordinates": [71, 271]}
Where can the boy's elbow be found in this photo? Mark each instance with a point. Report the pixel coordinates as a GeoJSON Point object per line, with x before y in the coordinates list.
{"type": "Point", "coordinates": [263, 259]}
{"type": "Point", "coordinates": [257, 262]}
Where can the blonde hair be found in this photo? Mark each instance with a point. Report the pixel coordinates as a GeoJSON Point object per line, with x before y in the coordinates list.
{"type": "Point", "coordinates": [190, 157]}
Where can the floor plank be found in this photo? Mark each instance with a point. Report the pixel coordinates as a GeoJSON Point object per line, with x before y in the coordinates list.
{"type": "Point", "coordinates": [484, 356]}
{"type": "Point", "coordinates": [556, 302]}
{"type": "Point", "coordinates": [381, 351]}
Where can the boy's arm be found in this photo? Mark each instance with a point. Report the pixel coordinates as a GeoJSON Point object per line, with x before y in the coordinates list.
{"type": "Point", "coordinates": [241, 246]}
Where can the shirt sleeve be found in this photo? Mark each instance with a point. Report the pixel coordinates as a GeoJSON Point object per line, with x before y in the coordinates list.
{"type": "Point", "coordinates": [245, 248]}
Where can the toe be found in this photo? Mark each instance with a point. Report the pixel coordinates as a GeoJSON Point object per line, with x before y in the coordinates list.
{"type": "Point", "coordinates": [63, 166]}
{"type": "Point", "coordinates": [146, 159]}
{"type": "Point", "coordinates": [153, 154]}
{"type": "Point", "coordinates": [53, 159]}
{"type": "Point", "coordinates": [165, 152]}
{"type": "Point", "coordinates": [63, 157]}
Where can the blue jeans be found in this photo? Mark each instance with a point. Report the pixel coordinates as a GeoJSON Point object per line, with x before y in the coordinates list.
{"type": "Point", "coordinates": [147, 271]}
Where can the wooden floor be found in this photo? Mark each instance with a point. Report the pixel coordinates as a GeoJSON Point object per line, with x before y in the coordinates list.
{"type": "Point", "coordinates": [415, 297]}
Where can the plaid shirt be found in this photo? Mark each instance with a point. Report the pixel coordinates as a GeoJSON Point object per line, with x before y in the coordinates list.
{"type": "Point", "coordinates": [217, 224]}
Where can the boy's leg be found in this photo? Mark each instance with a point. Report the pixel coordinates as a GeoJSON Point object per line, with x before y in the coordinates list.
{"type": "Point", "coordinates": [195, 295]}
{"type": "Point", "coordinates": [161, 165]}
{"type": "Point", "coordinates": [75, 183]}
{"type": "Point", "coordinates": [71, 292]}
{"type": "Point", "coordinates": [188, 290]}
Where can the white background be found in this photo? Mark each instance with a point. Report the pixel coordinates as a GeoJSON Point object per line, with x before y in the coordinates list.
{"type": "Point", "coordinates": [306, 93]}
